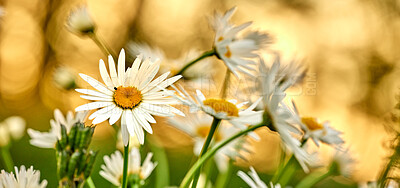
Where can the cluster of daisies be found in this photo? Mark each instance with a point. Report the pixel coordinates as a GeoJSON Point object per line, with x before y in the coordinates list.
{"type": "Point", "coordinates": [132, 97]}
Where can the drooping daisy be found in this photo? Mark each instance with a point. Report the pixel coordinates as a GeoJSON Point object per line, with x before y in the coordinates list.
{"type": "Point", "coordinates": [131, 95]}
{"type": "Point", "coordinates": [49, 139]}
{"type": "Point", "coordinates": [254, 181]}
{"type": "Point", "coordinates": [12, 127]}
{"type": "Point", "coordinates": [281, 118]}
{"type": "Point", "coordinates": [197, 125]}
{"type": "Point", "coordinates": [112, 171]}
{"type": "Point", "coordinates": [23, 178]}
{"type": "Point", "coordinates": [222, 109]}
{"type": "Point", "coordinates": [80, 22]}
{"type": "Point", "coordinates": [236, 52]}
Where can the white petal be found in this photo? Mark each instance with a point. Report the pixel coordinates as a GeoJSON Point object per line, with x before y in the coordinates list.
{"type": "Point", "coordinates": [96, 84]}
{"type": "Point", "coordinates": [102, 111]}
{"type": "Point", "coordinates": [88, 97]}
{"type": "Point", "coordinates": [116, 114]}
{"type": "Point", "coordinates": [142, 121]}
{"type": "Point", "coordinates": [93, 92]}
{"type": "Point", "coordinates": [166, 83]}
{"type": "Point", "coordinates": [113, 72]}
{"type": "Point", "coordinates": [104, 74]}
{"type": "Point", "coordinates": [92, 105]}
{"type": "Point", "coordinates": [121, 67]}
{"type": "Point", "coordinates": [124, 129]}
{"type": "Point", "coordinates": [155, 82]}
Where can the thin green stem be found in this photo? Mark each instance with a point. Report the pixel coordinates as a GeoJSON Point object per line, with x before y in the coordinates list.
{"type": "Point", "coordinates": [102, 45]}
{"type": "Point", "coordinates": [204, 55]}
{"type": "Point", "coordinates": [90, 182]}
{"type": "Point", "coordinates": [207, 143]}
{"type": "Point", "coordinates": [125, 170]}
{"type": "Point", "coordinates": [313, 179]}
{"type": "Point", "coordinates": [223, 178]}
{"type": "Point", "coordinates": [224, 90]}
{"type": "Point", "coordinates": [186, 180]}
{"type": "Point", "coordinates": [7, 159]}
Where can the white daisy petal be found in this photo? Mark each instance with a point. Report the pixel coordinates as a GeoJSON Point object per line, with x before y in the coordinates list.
{"type": "Point", "coordinates": [92, 105]}
{"type": "Point", "coordinates": [116, 114]}
{"type": "Point", "coordinates": [113, 72]}
{"type": "Point", "coordinates": [96, 84]}
{"type": "Point", "coordinates": [104, 74]}
{"type": "Point", "coordinates": [121, 67]}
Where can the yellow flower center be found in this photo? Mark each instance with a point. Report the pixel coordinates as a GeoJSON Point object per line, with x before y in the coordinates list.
{"type": "Point", "coordinates": [228, 53]}
{"type": "Point", "coordinates": [311, 123]}
{"type": "Point", "coordinates": [127, 97]}
{"type": "Point", "coordinates": [203, 130]}
{"type": "Point", "coordinates": [221, 105]}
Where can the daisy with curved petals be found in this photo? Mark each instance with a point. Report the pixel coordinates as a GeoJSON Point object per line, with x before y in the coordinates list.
{"type": "Point", "coordinates": [131, 95]}
{"type": "Point", "coordinates": [236, 52]}
{"type": "Point", "coordinates": [23, 178]}
{"type": "Point", "coordinates": [320, 132]}
{"type": "Point", "coordinates": [223, 109]}
{"type": "Point", "coordinates": [113, 168]}
{"type": "Point", "coordinates": [49, 139]}
{"type": "Point", "coordinates": [254, 181]}
{"type": "Point", "coordinates": [197, 125]}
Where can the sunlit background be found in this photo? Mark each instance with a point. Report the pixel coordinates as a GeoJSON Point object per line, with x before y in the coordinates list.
{"type": "Point", "coordinates": [350, 49]}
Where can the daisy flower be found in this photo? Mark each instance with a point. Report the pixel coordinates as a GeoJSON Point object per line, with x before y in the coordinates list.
{"type": "Point", "coordinates": [280, 115]}
{"type": "Point", "coordinates": [112, 171]}
{"type": "Point", "coordinates": [236, 51]}
{"type": "Point", "coordinates": [23, 178]}
{"type": "Point", "coordinates": [197, 125]}
{"type": "Point", "coordinates": [79, 21]}
{"type": "Point", "coordinates": [131, 95]}
{"type": "Point", "coordinates": [254, 181]}
{"type": "Point", "coordinates": [49, 139]}
{"type": "Point", "coordinates": [12, 127]}
{"type": "Point", "coordinates": [342, 163]}
{"type": "Point", "coordinates": [229, 110]}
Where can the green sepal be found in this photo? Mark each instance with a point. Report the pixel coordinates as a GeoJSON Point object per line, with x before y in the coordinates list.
{"type": "Point", "coordinates": [62, 163]}
{"type": "Point", "coordinates": [64, 137]}
{"type": "Point", "coordinates": [91, 158]}
{"type": "Point", "coordinates": [72, 135]}
{"type": "Point", "coordinates": [73, 162]}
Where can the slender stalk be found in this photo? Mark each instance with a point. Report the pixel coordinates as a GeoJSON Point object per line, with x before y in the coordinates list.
{"type": "Point", "coordinates": [210, 135]}
{"type": "Point", "coordinates": [125, 170]}
{"type": "Point", "coordinates": [102, 45]}
{"type": "Point", "coordinates": [90, 182]}
{"type": "Point", "coordinates": [225, 86]}
{"type": "Point", "coordinates": [224, 177]}
{"type": "Point", "coordinates": [186, 180]}
{"type": "Point", "coordinates": [204, 55]}
{"type": "Point", "coordinates": [311, 180]}
{"type": "Point", "coordinates": [7, 159]}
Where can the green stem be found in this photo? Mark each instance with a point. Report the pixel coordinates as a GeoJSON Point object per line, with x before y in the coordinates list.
{"type": "Point", "coordinates": [204, 55]}
{"type": "Point", "coordinates": [385, 172]}
{"type": "Point", "coordinates": [186, 180]}
{"type": "Point", "coordinates": [7, 159]}
{"type": "Point", "coordinates": [311, 179]}
{"type": "Point", "coordinates": [102, 45]}
{"type": "Point", "coordinates": [210, 135]}
{"type": "Point", "coordinates": [125, 170]}
{"type": "Point", "coordinates": [90, 182]}
{"type": "Point", "coordinates": [226, 84]}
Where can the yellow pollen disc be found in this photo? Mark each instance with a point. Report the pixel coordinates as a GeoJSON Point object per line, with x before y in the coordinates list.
{"type": "Point", "coordinates": [228, 53]}
{"type": "Point", "coordinates": [203, 130]}
{"type": "Point", "coordinates": [311, 123]}
{"type": "Point", "coordinates": [221, 105]}
{"type": "Point", "coordinates": [220, 38]}
{"type": "Point", "coordinates": [127, 97]}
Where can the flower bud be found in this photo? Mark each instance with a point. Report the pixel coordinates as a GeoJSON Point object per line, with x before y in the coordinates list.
{"type": "Point", "coordinates": [80, 22]}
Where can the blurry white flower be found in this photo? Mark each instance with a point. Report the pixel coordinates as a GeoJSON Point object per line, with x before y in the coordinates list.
{"type": "Point", "coordinates": [254, 181]}
{"type": "Point", "coordinates": [113, 168]}
{"type": "Point", "coordinates": [146, 51]}
{"type": "Point", "coordinates": [197, 125]}
{"type": "Point", "coordinates": [221, 109]}
{"type": "Point", "coordinates": [131, 95]}
{"type": "Point", "coordinates": [342, 163]}
{"type": "Point", "coordinates": [236, 52]}
{"type": "Point", "coordinates": [49, 139]}
{"type": "Point", "coordinates": [12, 127]}
{"type": "Point", "coordinates": [64, 78]}
{"type": "Point", "coordinates": [320, 132]}
{"type": "Point", "coordinates": [22, 179]}
{"type": "Point", "coordinates": [280, 115]}
{"type": "Point", "coordinates": [80, 22]}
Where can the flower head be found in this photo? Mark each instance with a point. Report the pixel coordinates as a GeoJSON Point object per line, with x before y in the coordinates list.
{"type": "Point", "coordinates": [12, 127]}
{"type": "Point", "coordinates": [113, 168]}
{"type": "Point", "coordinates": [229, 110]}
{"type": "Point", "coordinates": [342, 163]}
{"type": "Point", "coordinates": [79, 21]}
{"type": "Point", "coordinates": [49, 139]}
{"type": "Point", "coordinates": [64, 78]}
{"type": "Point", "coordinates": [254, 181]}
{"type": "Point", "coordinates": [236, 51]}
{"type": "Point", "coordinates": [131, 95]}
{"type": "Point", "coordinates": [320, 132]}
{"type": "Point", "coordinates": [23, 178]}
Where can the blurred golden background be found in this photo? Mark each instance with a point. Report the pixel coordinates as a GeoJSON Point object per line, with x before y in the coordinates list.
{"type": "Point", "coordinates": [350, 48]}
